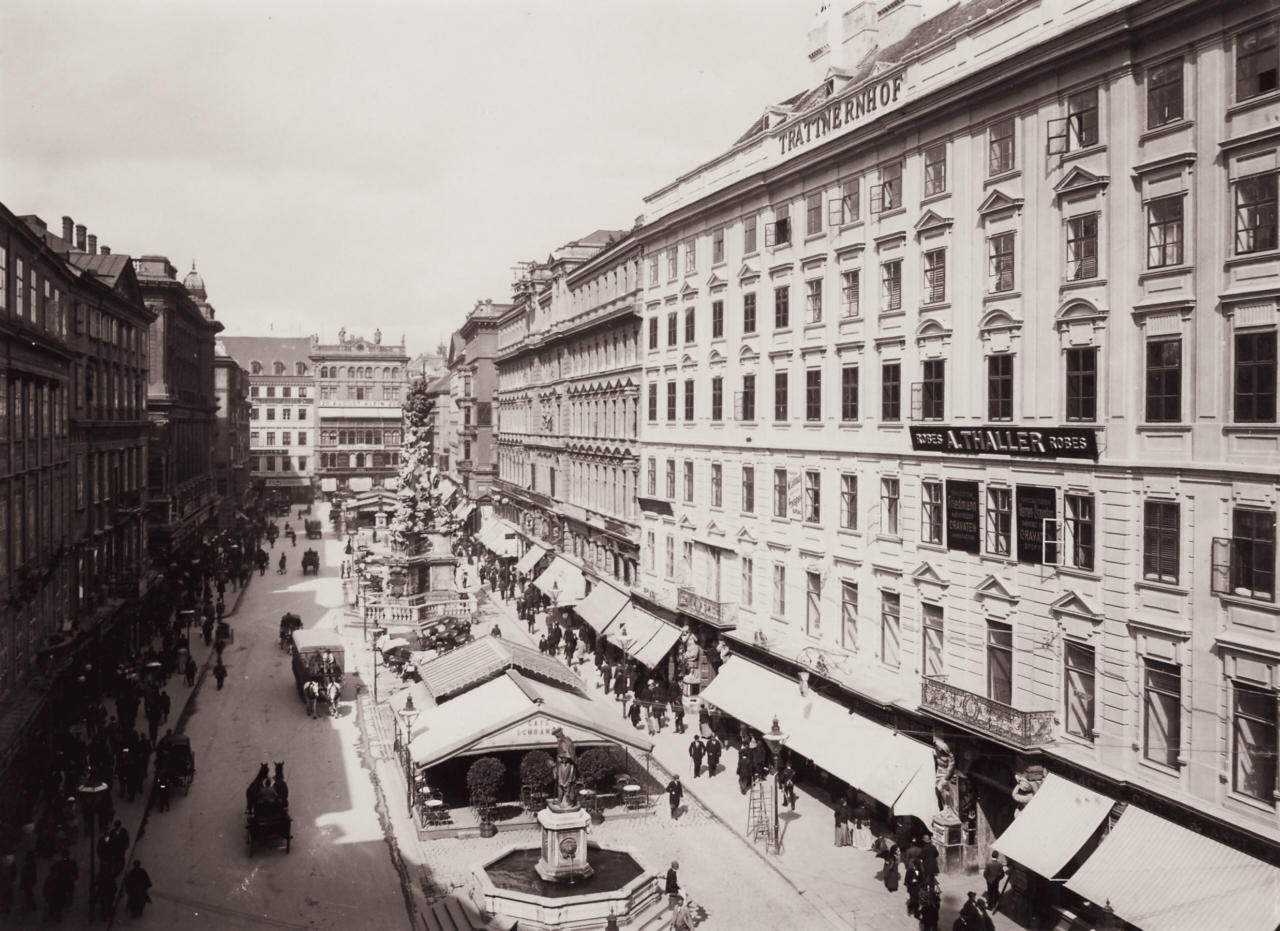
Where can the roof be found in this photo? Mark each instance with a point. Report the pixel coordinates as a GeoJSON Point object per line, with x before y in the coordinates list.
{"type": "Point", "coordinates": [1162, 876]}
{"type": "Point", "coordinates": [107, 267]}
{"type": "Point", "coordinates": [477, 662]}
{"type": "Point", "coordinates": [440, 385]}
{"type": "Point", "coordinates": [267, 349]}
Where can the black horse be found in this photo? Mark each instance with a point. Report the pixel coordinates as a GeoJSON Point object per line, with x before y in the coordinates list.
{"type": "Point", "coordinates": [281, 787]}
{"type": "Point", "coordinates": [254, 792]}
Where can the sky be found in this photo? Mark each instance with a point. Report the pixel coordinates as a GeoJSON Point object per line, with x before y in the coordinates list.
{"type": "Point", "coordinates": [374, 163]}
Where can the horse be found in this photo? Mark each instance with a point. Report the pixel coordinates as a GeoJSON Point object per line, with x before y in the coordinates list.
{"type": "Point", "coordinates": [255, 788]}
{"type": "Point", "coordinates": [282, 787]}
{"type": "Point", "coordinates": [333, 692]}
{"type": "Point", "coordinates": [311, 694]}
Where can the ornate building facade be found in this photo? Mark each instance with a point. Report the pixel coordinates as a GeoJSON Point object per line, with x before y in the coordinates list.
{"type": "Point", "coordinates": [360, 385]}
{"type": "Point", "coordinates": [231, 461]}
{"type": "Point", "coordinates": [959, 401]}
{"type": "Point", "coordinates": [471, 385]}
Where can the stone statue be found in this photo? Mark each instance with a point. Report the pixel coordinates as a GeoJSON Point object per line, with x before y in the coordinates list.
{"type": "Point", "coordinates": [566, 770]}
{"type": "Point", "coordinates": [342, 336]}
{"type": "Point", "coordinates": [944, 769]}
{"type": "Point", "coordinates": [377, 337]}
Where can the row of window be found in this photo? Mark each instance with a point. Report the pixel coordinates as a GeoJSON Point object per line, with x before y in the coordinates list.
{"type": "Point", "coordinates": [1244, 565]}
{"type": "Point", "coordinates": [284, 463]}
{"type": "Point", "coordinates": [269, 391]}
{"type": "Point", "coordinates": [355, 371]}
{"type": "Point", "coordinates": [286, 413]}
{"type": "Point", "coordinates": [277, 368]}
{"type": "Point", "coordinates": [360, 437]}
{"type": "Point", "coordinates": [1254, 385]}
{"type": "Point", "coordinates": [286, 438]}
{"type": "Point", "coordinates": [376, 460]}
{"type": "Point", "coordinates": [359, 393]}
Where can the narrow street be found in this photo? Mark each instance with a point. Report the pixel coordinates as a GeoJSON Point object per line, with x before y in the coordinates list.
{"type": "Point", "coordinates": [340, 872]}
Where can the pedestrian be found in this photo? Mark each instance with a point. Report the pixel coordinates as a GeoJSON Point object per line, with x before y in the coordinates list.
{"type": "Point", "coordinates": [677, 712]}
{"type": "Point", "coordinates": [842, 824]}
{"type": "Point", "coordinates": [606, 677]}
{"type": "Point", "coordinates": [681, 919]}
{"type": "Point", "coordinates": [27, 882]}
{"type": "Point", "coordinates": [635, 713]}
{"type": "Point", "coordinates": [190, 671]}
{"type": "Point", "coordinates": [788, 780]}
{"type": "Point", "coordinates": [136, 886]}
{"type": "Point", "coordinates": [104, 895]}
{"type": "Point", "coordinates": [117, 848]}
{"type": "Point", "coordinates": [985, 922]}
{"type": "Point", "coordinates": [993, 872]}
{"type": "Point", "coordinates": [696, 752]}
{"type": "Point", "coordinates": [911, 879]}
{"type": "Point", "coordinates": [542, 644]}
{"type": "Point", "coordinates": [218, 648]}
{"type": "Point", "coordinates": [220, 673]}
{"type": "Point", "coordinates": [930, 906]}
{"type": "Point", "coordinates": [891, 875]}
{"type": "Point", "coordinates": [713, 755]}
{"type": "Point", "coordinates": [970, 919]}
{"type": "Point", "coordinates": [928, 859]}
{"type": "Point", "coordinates": [673, 885]}
{"type": "Point", "coordinates": [744, 772]}
{"type": "Point", "coordinates": [206, 630]}
{"type": "Point", "coordinates": [675, 792]}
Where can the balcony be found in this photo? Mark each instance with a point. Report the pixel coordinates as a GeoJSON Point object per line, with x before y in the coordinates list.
{"type": "Point", "coordinates": [721, 614]}
{"type": "Point", "coordinates": [1025, 730]}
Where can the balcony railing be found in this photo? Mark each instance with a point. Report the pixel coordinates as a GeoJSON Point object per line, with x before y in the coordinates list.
{"type": "Point", "coordinates": [1023, 729]}
{"type": "Point", "coordinates": [720, 613]}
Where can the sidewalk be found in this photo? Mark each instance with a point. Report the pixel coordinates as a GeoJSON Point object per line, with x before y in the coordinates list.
{"type": "Point", "coordinates": [842, 883]}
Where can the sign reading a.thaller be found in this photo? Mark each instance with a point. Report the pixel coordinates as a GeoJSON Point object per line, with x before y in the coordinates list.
{"type": "Point", "coordinates": [1047, 442]}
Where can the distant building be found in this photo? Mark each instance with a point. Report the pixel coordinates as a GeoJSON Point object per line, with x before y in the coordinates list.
{"type": "Point", "coordinates": [359, 410]}
{"type": "Point", "coordinates": [231, 435]}
{"type": "Point", "coordinates": [442, 422]}
{"type": "Point", "coordinates": [282, 421]}
{"type": "Point", "coordinates": [429, 365]}
{"type": "Point", "coordinates": [473, 378]}
{"type": "Point", "coordinates": [181, 492]}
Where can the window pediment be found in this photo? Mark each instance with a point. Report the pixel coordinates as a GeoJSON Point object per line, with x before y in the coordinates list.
{"type": "Point", "coordinates": [1077, 310]}
{"type": "Point", "coordinates": [685, 524]}
{"type": "Point", "coordinates": [716, 283]}
{"type": "Point", "coordinates": [927, 574]}
{"type": "Point", "coordinates": [998, 202]}
{"type": "Point", "coordinates": [998, 319]}
{"type": "Point", "coordinates": [688, 292]}
{"type": "Point", "coordinates": [992, 587]}
{"type": "Point", "coordinates": [747, 274]}
{"type": "Point", "coordinates": [932, 222]}
{"type": "Point", "coordinates": [1078, 180]}
{"type": "Point", "coordinates": [745, 536]}
{"type": "Point", "coordinates": [747, 354]}
{"type": "Point", "coordinates": [1074, 604]}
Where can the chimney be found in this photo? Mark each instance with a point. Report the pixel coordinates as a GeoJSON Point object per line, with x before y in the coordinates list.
{"type": "Point", "coordinates": [105, 250]}
{"type": "Point", "coordinates": [67, 229]}
{"type": "Point", "coordinates": [93, 244]}
{"type": "Point", "coordinates": [80, 231]}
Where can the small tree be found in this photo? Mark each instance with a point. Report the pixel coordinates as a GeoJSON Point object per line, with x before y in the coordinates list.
{"type": "Point", "coordinates": [536, 771]}
{"type": "Point", "coordinates": [484, 778]}
{"type": "Point", "coordinates": [595, 766]}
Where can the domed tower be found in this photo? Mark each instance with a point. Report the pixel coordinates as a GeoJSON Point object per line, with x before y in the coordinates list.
{"type": "Point", "coordinates": [195, 284]}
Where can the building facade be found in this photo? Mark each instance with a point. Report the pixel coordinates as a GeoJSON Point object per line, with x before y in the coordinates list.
{"type": "Point", "coordinates": [282, 420]}
{"type": "Point", "coordinates": [959, 398]}
{"type": "Point", "coordinates": [568, 402]}
{"type": "Point", "coordinates": [181, 490]}
{"type": "Point", "coordinates": [231, 435]}
{"type": "Point", "coordinates": [360, 386]}
{"type": "Point", "coordinates": [473, 378]}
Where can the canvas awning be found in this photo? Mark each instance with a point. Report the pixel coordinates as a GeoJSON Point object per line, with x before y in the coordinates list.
{"type": "Point", "coordinates": [656, 648]}
{"type": "Point", "coordinates": [1054, 826]}
{"type": "Point", "coordinates": [530, 559]}
{"type": "Point", "coordinates": [563, 581]}
{"type": "Point", "coordinates": [644, 636]}
{"type": "Point", "coordinates": [1161, 876]}
{"type": "Point", "coordinates": [602, 605]}
{"type": "Point", "coordinates": [463, 511]}
{"type": "Point", "coordinates": [888, 766]}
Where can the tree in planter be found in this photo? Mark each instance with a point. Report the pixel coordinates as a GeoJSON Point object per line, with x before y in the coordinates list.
{"type": "Point", "coordinates": [484, 778]}
{"type": "Point", "coordinates": [595, 767]}
{"type": "Point", "coordinates": [536, 774]}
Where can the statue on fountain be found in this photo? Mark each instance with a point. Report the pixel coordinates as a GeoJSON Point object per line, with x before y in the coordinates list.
{"type": "Point", "coordinates": [566, 771]}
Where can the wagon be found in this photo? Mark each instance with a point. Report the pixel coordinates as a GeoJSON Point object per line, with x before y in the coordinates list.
{"type": "Point", "coordinates": [175, 763]}
{"type": "Point", "coordinates": [310, 562]}
{"type": "Point", "coordinates": [267, 826]}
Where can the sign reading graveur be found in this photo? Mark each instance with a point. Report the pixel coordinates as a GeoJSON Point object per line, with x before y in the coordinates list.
{"type": "Point", "coordinates": [1035, 506]}
{"type": "Point", "coordinates": [1046, 442]}
{"type": "Point", "coordinates": [962, 516]}
{"type": "Point", "coordinates": [842, 115]}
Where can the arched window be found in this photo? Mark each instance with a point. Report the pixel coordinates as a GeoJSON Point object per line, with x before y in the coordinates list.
{"type": "Point", "coordinates": [368, 438]}
{"type": "Point", "coordinates": [277, 367]}
{"type": "Point", "coordinates": [342, 437]}
{"type": "Point", "coordinates": [359, 460]}
{"type": "Point", "coordinates": [255, 367]}
{"type": "Point", "coordinates": [300, 368]}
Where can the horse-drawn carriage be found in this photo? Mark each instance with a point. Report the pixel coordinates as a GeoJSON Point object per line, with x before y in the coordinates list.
{"type": "Point", "coordinates": [175, 763]}
{"type": "Point", "coordinates": [267, 810]}
{"type": "Point", "coordinates": [315, 530]}
{"type": "Point", "coordinates": [318, 660]}
{"type": "Point", "coordinates": [445, 633]}
{"type": "Point", "coordinates": [310, 562]}
{"type": "Point", "coordinates": [289, 623]}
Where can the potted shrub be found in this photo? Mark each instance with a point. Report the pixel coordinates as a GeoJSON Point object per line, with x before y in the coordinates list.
{"type": "Point", "coordinates": [537, 774]}
{"type": "Point", "coordinates": [484, 778]}
{"type": "Point", "coordinates": [595, 767]}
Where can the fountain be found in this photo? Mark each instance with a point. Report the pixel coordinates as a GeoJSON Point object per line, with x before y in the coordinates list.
{"type": "Point", "coordinates": [553, 886]}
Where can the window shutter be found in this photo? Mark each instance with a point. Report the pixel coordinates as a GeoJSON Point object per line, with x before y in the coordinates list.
{"type": "Point", "coordinates": [877, 198]}
{"type": "Point", "coordinates": [1058, 130]}
{"type": "Point", "coordinates": [768, 234]}
{"type": "Point", "coordinates": [1050, 534]}
{"type": "Point", "coordinates": [1220, 576]}
{"type": "Point", "coordinates": [737, 405]}
{"type": "Point", "coordinates": [917, 400]}
{"type": "Point", "coordinates": [835, 211]}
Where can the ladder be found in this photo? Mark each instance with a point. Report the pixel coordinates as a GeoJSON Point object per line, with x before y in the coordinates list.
{"type": "Point", "coordinates": [760, 813]}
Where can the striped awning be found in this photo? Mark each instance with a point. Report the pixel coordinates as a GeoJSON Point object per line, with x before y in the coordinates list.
{"type": "Point", "coordinates": [1161, 876]}
{"type": "Point", "coordinates": [601, 606]}
{"type": "Point", "coordinates": [1053, 827]}
{"type": "Point", "coordinates": [530, 559]}
{"type": "Point", "coordinates": [563, 581]}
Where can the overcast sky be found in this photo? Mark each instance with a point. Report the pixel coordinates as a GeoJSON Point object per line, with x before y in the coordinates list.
{"type": "Point", "coordinates": [372, 164]}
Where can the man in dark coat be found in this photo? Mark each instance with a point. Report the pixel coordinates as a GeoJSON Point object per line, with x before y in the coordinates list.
{"type": "Point", "coordinates": [136, 886]}
{"type": "Point", "coordinates": [104, 895]}
{"type": "Point", "coordinates": [677, 712]}
{"type": "Point", "coordinates": [606, 676]}
{"type": "Point", "coordinates": [27, 882]}
{"type": "Point", "coordinates": [713, 754]}
{"type": "Point", "coordinates": [675, 792]}
{"type": "Point", "coordinates": [993, 872]}
{"type": "Point", "coordinates": [696, 751]}
{"type": "Point", "coordinates": [220, 674]}
{"type": "Point", "coordinates": [673, 885]}
{"type": "Point", "coordinates": [190, 671]}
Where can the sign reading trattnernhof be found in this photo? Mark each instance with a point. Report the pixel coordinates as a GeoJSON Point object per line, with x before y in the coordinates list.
{"type": "Point", "coordinates": [1048, 442]}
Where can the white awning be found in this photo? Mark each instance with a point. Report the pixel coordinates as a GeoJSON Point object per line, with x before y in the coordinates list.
{"type": "Point", "coordinates": [644, 636]}
{"type": "Point", "coordinates": [1054, 826]}
{"type": "Point", "coordinates": [1161, 876]}
{"type": "Point", "coordinates": [530, 559]}
{"type": "Point", "coordinates": [563, 581]}
{"type": "Point", "coordinates": [888, 766]}
{"type": "Point", "coordinates": [655, 649]}
{"type": "Point", "coordinates": [601, 606]}
{"type": "Point", "coordinates": [463, 511]}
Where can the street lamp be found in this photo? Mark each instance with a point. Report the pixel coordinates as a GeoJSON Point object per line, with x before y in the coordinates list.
{"type": "Point", "coordinates": [408, 714]}
{"type": "Point", "coordinates": [774, 741]}
{"type": "Point", "coordinates": [90, 793]}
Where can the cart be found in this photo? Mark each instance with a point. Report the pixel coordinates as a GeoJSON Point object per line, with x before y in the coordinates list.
{"type": "Point", "coordinates": [310, 562]}
{"type": "Point", "coordinates": [175, 763]}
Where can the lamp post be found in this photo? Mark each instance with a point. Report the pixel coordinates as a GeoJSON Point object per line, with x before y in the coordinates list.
{"type": "Point", "coordinates": [774, 741]}
{"type": "Point", "coordinates": [408, 714]}
{"type": "Point", "coordinates": [89, 793]}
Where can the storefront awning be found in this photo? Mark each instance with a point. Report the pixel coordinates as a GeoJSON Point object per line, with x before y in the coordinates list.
{"type": "Point", "coordinates": [601, 606]}
{"type": "Point", "coordinates": [530, 559]}
{"type": "Point", "coordinates": [463, 511]}
{"type": "Point", "coordinates": [890, 767]}
{"type": "Point", "coordinates": [1161, 876]}
{"type": "Point", "coordinates": [656, 648]}
{"type": "Point", "coordinates": [563, 582]}
{"type": "Point", "coordinates": [1054, 826]}
{"type": "Point", "coordinates": [644, 636]}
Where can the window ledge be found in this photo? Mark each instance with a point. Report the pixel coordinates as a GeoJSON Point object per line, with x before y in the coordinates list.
{"type": "Point", "coordinates": [814, 326]}
{"type": "Point", "coordinates": [782, 331]}
{"type": "Point", "coordinates": [932, 547]}
{"type": "Point", "coordinates": [1249, 258]}
{"type": "Point", "coordinates": [1003, 176]}
{"type": "Point", "coordinates": [1256, 604]}
{"type": "Point", "coordinates": [1164, 271]}
{"type": "Point", "coordinates": [888, 538]}
{"type": "Point", "coordinates": [1235, 429]}
{"type": "Point", "coordinates": [1075, 572]}
{"type": "Point", "coordinates": [1001, 296]}
{"type": "Point", "coordinates": [781, 424]}
{"type": "Point", "coordinates": [1168, 588]}
{"type": "Point", "coordinates": [849, 532]}
{"type": "Point", "coordinates": [1076, 283]}
{"type": "Point", "coordinates": [810, 237]}
{"type": "Point", "coordinates": [813, 425]}
{"type": "Point", "coordinates": [888, 314]}
{"type": "Point", "coordinates": [850, 425]}
{"type": "Point", "coordinates": [1166, 129]}
{"type": "Point", "coordinates": [1248, 800]}
{"type": "Point", "coordinates": [935, 305]}
{"type": "Point", "coordinates": [993, 558]}
{"type": "Point", "coordinates": [891, 212]}
{"type": "Point", "coordinates": [1252, 103]}
{"type": "Point", "coordinates": [1084, 153]}
{"type": "Point", "coordinates": [890, 425]}
{"type": "Point", "coordinates": [1173, 427]}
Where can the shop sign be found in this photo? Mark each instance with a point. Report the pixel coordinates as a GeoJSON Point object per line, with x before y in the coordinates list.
{"type": "Point", "coordinates": [1046, 442]}
{"type": "Point", "coordinates": [795, 496]}
{"type": "Point", "coordinates": [843, 115]}
{"type": "Point", "coordinates": [1035, 505]}
{"type": "Point", "coordinates": [962, 516]}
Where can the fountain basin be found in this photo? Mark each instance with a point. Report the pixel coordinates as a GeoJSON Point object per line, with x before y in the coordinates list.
{"type": "Point", "coordinates": [509, 884]}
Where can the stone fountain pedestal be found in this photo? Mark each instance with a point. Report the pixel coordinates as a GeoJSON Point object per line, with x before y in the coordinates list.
{"type": "Point", "coordinates": [564, 844]}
